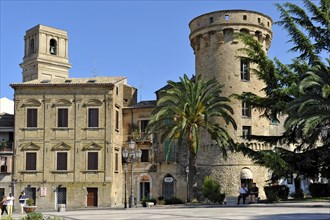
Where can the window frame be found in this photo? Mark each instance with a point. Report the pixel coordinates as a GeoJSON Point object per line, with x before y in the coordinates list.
{"type": "Point", "coordinates": [89, 165]}
{"type": "Point", "coordinates": [246, 110]}
{"type": "Point", "coordinates": [246, 132]}
{"type": "Point", "coordinates": [28, 161]}
{"type": "Point", "coordinates": [32, 117]}
{"type": "Point", "coordinates": [90, 124]}
{"type": "Point", "coordinates": [145, 155]}
{"type": "Point", "coordinates": [245, 70]}
{"type": "Point", "coordinates": [61, 120]}
{"type": "Point", "coordinates": [65, 168]}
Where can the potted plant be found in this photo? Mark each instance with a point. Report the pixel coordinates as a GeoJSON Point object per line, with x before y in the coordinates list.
{"type": "Point", "coordinates": [29, 206]}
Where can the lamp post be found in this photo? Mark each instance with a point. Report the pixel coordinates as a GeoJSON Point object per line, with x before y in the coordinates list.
{"type": "Point", "coordinates": [187, 172]}
{"type": "Point", "coordinates": [125, 170]}
{"type": "Point", "coordinates": [130, 158]}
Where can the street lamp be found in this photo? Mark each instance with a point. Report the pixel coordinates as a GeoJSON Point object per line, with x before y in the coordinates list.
{"type": "Point", "coordinates": [129, 157]}
{"type": "Point", "coordinates": [125, 170]}
{"type": "Point", "coordinates": [187, 172]}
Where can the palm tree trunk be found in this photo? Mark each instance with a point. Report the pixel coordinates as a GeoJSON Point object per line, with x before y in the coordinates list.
{"type": "Point", "coordinates": [192, 177]}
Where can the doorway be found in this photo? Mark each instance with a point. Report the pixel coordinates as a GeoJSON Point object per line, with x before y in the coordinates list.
{"type": "Point", "coordinates": [145, 187]}
{"type": "Point", "coordinates": [168, 187]}
{"type": "Point", "coordinates": [61, 195]}
{"type": "Point", "coordinates": [92, 197]}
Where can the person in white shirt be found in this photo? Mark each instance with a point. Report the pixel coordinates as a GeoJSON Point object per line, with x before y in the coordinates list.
{"type": "Point", "coordinates": [10, 203]}
{"type": "Point", "coordinates": [243, 193]}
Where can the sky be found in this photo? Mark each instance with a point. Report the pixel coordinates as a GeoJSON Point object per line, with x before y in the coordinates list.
{"type": "Point", "coordinates": [145, 41]}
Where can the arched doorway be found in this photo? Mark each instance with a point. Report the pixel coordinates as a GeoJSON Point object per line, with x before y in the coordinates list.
{"type": "Point", "coordinates": [145, 187]}
{"type": "Point", "coordinates": [168, 187]}
{"type": "Point", "coordinates": [246, 176]}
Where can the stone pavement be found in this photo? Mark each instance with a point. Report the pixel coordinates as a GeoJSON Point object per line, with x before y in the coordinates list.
{"type": "Point", "coordinates": [277, 211]}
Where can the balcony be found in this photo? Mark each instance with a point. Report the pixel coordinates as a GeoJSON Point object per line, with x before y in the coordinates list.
{"type": "Point", "coordinates": [140, 137]}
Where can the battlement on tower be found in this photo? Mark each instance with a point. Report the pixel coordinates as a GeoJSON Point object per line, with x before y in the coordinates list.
{"type": "Point", "coordinates": [218, 27]}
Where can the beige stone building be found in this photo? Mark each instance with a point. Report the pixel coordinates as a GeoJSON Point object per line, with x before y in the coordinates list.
{"type": "Point", "coordinates": [68, 131]}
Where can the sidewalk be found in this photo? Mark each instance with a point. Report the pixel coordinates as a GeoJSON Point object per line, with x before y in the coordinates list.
{"type": "Point", "coordinates": [262, 206]}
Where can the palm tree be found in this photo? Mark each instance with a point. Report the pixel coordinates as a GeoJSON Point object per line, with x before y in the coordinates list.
{"type": "Point", "coordinates": [187, 108]}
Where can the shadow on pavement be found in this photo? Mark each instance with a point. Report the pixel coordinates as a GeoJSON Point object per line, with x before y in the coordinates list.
{"type": "Point", "coordinates": [296, 216]}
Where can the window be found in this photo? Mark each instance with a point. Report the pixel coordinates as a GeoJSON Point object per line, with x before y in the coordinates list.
{"type": "Point", "coordinates": [143, 125]}
{"type": "Point", "coordinates": [117, 90]}
{"type": "Point", "coordinates": [246, 109]}
{"type": "Point", "coordinates": [211, 20]}
{"type": "Point", "coordinates": [62, 161]}
{"type": "Point", "coordinates": [259, 20]}
{"type": "Point", "coordinates": [93, 117]}
{"type": "Point", "coordinates": [116, 162]}
{"type": "Point", "coordinates": [3, 164]}
{"type": "Point", "coordinates": [246, 132]}
{"type": "Point", "coordinates": [31, 161]}
{"type": "Point", "coordinates": [92, 161]}
{"type": "Point", "coordinates": [53, 47]}
{"type": "Point", "coordinates": [227, 17]}
{"type": "Point", "coordinates": [62, 118]}
{"type": "Point", "coordinates": [145, 155]}
{"type": "Point", "coordinates": [245, 72]}
{"type": "Point", "coordinates": [32, 118]}
{"type": "Point", "coordinates": [117, 120]}
{"type": "Point", "coordinates": [168, 151]}
{"type": "Point", "coordinates": [244, 17]}
{"type": "Point", "coordinates": [31, 51]}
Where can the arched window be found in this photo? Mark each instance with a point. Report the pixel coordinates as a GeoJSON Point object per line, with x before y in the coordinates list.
{"type": "Point", "coordinates": [53, 47]}
{"type": "Point", "coordinates": [31, 50]}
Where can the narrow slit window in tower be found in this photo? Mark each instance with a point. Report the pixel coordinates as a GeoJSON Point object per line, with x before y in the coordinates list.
{"type": "Point", "coordinates": [244, 17]}
{"type": "Point", "coordinates": [211, 20]}
{"type": "Point", "coordinates": [227, 17]}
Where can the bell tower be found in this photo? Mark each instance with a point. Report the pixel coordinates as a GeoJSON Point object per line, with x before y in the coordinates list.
{"type": "Point", "coordinates": [45, 54]}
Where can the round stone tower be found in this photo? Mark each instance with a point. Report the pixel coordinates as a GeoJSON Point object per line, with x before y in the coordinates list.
{"type": "Point", "coordinates": [215, 43]}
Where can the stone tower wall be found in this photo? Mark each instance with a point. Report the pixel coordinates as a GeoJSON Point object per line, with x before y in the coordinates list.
{"type": "Point", "coordinates": [215, 43]}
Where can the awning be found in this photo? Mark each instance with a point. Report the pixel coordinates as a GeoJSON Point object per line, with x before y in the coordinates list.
{"type": "Point", "coordinates": [246, 174]}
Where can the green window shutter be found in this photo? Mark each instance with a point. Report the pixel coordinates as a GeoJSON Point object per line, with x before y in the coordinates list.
{"type": "Point", "coordinates": [168, 150]}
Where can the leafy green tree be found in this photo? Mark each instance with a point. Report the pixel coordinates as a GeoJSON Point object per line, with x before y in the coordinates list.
{"type": "Point", "coordinates": [299, 90]}
{"type": "Point", "coordinates": [187, 108]}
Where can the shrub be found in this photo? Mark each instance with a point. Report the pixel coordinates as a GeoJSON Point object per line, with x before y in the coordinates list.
{"type": "Point", "coordinates": [319, 189]}
{"type": "Point", "coordinates": [211, 190]}
{"type": "Point", "coordinates": [34, 216]}
{"type": "Point", "coordinates": [145, 200]}
{"type": "Point", "coordinates": [276, 193]}
{"type": "Point", "coordinates": [30, 202]}
{"type": "Point", "coordinates": [173, 200]}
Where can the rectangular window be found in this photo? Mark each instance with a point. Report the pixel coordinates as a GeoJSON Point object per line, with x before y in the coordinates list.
{"type": "Point", "coordinates": [246, 132]}
{"type": "Point", "coordinates": [4, 164]}
{"type": "Point", "coordinates": [245, 17]}
{"type": "Point", "coordinates": [92, 161]}
{"type": "Point", "coordinates": [117, 120]}
{"type": "Point", "coordinates": [245, 70]}
{"type": "Point", "coordinates": [62, 117]}
{"type": "Point", "coordinates": [246, 109]}
{"type": "Point", "coordinates": [32, 117]}
{"type": "Point", "coordinates": [145, 155]}
{"type": "Point", "coordinates": [143, 125]}
{"type": "Point", "coordinates": [93, 117]}
{"type": "Point", "coordinates": [168, 151]}
{"type": "Point", "coordinates": [62, 161]}
{"type": "Point", "coordinates": [116, 162]}
{"type": "Point", "coordinates": [31, 161]}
